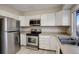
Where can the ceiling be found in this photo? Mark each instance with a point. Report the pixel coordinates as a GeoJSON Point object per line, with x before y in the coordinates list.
{"type": "Point", "coordinates": [33, 7]}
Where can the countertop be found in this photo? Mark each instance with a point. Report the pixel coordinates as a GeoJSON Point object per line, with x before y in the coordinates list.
{"type": "Point", "coordinates": [66, 48]}
{"type": "Point", "coordinates": [24, 32]}
{"type": "Point", "coordinates": [69, 49]}
{"type": "Point", "coordinates": [54, 34]}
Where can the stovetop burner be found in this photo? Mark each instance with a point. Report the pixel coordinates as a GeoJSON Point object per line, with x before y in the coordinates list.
{"type": "Point", "coordinates": [33, 34]}
{"type": "Point", "coordinates": [30, 34]}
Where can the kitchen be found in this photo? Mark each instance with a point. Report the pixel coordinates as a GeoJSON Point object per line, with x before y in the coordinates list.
{"type": "Point", "coordinates": [44, 28]}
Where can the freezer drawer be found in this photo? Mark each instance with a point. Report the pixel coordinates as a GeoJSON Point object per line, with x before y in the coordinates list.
{"type": "Point", "coordinates": [11, 43]}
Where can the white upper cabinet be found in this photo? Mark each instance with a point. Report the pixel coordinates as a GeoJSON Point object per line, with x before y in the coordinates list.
{"type": "Point", "coordinates": [48, 19]}
{"type": "Point", "coordinates": [66, 17]}
{"type": "Point", "coordinates": [27, 20]}
{"type": "Point", "coordinates": [35, 17]}
{"type": "Point", "coordinates": [44, 21]}
{"type": "Point", "coordinates": [60, 18]}
{"type": "Point", "coordinates": [24, 20]}
{"type": "Point", "coordinates": [51, 19]}
{"type": "Point", "coordinates": [63, 18]}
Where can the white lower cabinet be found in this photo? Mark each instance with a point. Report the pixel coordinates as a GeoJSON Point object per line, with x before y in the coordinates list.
{"type": "Point", "coordinates": [23, 39]}
{"type": "Point", "coordinates": [49, 43]}
{"type": "Point", "coordinates": [44, 43]}
{"type": "Point", "coordinates": [44, 46]}
{"type": "Point", "coordinates": [53, 43]}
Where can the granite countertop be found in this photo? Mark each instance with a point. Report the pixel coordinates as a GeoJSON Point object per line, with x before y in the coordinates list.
{"type": "Point", "coordinates": [69, 49]}
{"type": "Point", "coordinates": [24, 32]}
{"type": "Point", "coordinates": [66, 48]}
{"type": "Point", "coordinates": [55, 34]}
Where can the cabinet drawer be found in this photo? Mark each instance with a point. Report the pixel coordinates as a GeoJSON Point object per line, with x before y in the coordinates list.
{"type": "Point", "coordinates": [44, 46]}
{"type": "Point", "coordinates": [43, 40]}
{"type": "Point", "coordinates": [44, 36]}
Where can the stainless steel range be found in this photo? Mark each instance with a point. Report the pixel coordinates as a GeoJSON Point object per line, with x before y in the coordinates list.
{"type": "Point", "coordinates": [33, 38]}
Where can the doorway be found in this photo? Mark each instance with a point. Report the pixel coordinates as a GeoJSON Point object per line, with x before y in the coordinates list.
{"type": "Point", "coordinates": [1, 21]}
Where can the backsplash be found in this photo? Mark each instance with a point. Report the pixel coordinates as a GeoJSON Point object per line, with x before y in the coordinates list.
{"type": "Point", "coordinates": [53, 29]}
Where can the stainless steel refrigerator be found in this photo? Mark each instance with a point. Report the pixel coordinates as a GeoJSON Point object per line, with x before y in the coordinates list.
{"type": "Point", "coordinates": [10, 37]}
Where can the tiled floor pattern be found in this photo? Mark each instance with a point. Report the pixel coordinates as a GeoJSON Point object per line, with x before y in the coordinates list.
{"type": "Point", "coordinates": [24, 50]}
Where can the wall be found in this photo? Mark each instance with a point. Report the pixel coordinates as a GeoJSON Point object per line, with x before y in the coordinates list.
{"type": "Point", "coordinates": [41, 12]}
{"type": "Point", "coordinates": [73, 25]}
{"type": "Point", "coordinates": [8, 12]}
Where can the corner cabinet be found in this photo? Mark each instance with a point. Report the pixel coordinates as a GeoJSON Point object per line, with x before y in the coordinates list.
{"type": "Point", "coordinates": [48, 19]}
{"type": "Point", "coordinates": [24, 20]}
{"type": "Point", "coordinates": [63, 18]}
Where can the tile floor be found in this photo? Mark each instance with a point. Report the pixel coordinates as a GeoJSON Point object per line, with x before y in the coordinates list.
{"type": "Point", "coordinates": [25, 50]}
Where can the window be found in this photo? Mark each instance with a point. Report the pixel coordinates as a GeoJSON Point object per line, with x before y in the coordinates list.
{"type": "Point", "coordinates": [77, 23]}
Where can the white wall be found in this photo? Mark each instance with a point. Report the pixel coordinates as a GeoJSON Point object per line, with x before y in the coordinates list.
{"type": "Point", "coordinates": [42, 12]}
{"type": "Point", "coordinates": [73, 25]}
{"type": "Point", "coordinates": [8, 12]}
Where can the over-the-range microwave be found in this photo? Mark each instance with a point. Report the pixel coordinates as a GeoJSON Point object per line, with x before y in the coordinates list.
{"type": "Point", "coordinates": [34, 22]}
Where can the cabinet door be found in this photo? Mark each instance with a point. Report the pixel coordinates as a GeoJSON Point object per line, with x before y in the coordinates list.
{"type": "Point", "coordinates": [23, 39]}
{"type": "Point", "coordinates": [44, 21]}
{"type": "Point", "coordinates": [44, 42]}
{"type": "Point", "coordinates": [27, 20]}
{"type": "Point", "coordinates": [48, 19]}
{"type": "Point", "coordinates": [51, 19]}
{"type": "Point", "coordinates": [53, 43]}
{"type": "Point", "coordinates": [58, 21]}
{"type": "Point", "coordinates": [48, 42]}
{"type": "Point", "coordinates": [66, 18]}
{"type": "Point", "coordinates": [44, 46]}
{"type": "Point", "coordinates": [22, 20]}
{"type": "Point", "coordinates": [63, 18]}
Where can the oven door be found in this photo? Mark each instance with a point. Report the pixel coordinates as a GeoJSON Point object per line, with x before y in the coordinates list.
{"type": "Point", "coordinates": [32, 40]}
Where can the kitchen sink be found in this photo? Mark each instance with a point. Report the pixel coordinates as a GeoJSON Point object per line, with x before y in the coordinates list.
{"type": "Point", "coordinates": [71, 41]}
